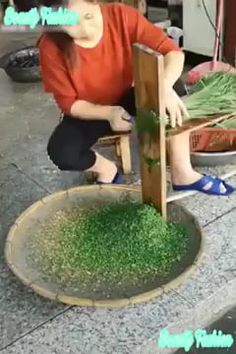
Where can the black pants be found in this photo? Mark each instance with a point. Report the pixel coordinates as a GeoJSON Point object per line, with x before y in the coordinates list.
{"type": "Point", "coordinates": [69, 146]}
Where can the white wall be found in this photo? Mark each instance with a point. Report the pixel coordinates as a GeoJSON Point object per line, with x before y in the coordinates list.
{"type": "Point", "coordinates": [199, 35]}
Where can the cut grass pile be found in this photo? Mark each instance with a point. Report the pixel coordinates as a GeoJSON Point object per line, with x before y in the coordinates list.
{"type": "Point", "coordinates": [115, 242]}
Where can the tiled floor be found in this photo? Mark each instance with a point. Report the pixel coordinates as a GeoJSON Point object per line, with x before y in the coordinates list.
{"type": "Point", "coordinates": [226, 324]}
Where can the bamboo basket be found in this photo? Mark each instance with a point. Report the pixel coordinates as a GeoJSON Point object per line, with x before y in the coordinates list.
{"type": "Point", "coordinates": [23, 233]}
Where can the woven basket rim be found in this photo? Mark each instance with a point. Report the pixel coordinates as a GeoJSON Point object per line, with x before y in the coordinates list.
{"type": "Point", "coordinates": [73, 300]}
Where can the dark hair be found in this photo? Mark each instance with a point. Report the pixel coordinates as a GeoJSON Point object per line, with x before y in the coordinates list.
{"type": "Point", "coordinates": [62, 40]}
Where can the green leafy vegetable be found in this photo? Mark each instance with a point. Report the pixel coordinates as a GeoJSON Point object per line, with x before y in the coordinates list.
{"type": "Point", "coordinates": [214, 94]}
{"type": "Point", "coordinates": [151, 162]}
{"type": "Point", "coordinates": [117, 241]}
{"type": "Point", "coordinates": [146, 121]}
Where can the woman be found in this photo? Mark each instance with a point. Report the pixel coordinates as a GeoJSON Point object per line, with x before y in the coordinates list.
{"type": "Point", "coordinates": [88, 69]}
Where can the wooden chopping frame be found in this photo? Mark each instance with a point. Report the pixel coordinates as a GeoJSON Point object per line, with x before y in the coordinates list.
{"type": "Point", "coordinates": [149, 79]}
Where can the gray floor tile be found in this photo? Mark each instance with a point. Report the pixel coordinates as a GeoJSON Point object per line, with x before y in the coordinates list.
{"type": "Point", "coordinates": [21, 310]}
{"type": "Point", "coordinates": [90, 331]}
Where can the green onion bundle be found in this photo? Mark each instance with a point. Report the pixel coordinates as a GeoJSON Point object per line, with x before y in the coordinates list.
{"type": "Point", "coordinates": [214, 94]}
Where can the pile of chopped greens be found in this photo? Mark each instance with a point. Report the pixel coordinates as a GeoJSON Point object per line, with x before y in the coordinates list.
{"type": "Point", "coordinates": [118, 241]}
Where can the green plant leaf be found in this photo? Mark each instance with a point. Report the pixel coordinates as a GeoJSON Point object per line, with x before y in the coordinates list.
{"type": "Point", "coordinates": [151, 162]}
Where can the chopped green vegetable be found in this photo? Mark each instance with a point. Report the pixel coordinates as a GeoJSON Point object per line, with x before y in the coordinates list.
{"type": "Point", "coordinates": [116, 242]}
{"type": "Point", "coordinates": [151, 162]}
{"type": "Point", "coordinates": [146, 121]}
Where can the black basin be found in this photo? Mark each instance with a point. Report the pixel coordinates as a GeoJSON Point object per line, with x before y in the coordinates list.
{"type": "Point", "coordinates": [22, 65]}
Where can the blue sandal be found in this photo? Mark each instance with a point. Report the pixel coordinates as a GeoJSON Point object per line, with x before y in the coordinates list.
{"type": "Point", "coordinates": [213, 190]}
{"type": "Point", "coordinates": [116, 180]}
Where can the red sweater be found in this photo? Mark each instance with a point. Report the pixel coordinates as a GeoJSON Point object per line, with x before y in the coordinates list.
{"type": "Point", "coordinates": [104, 72]}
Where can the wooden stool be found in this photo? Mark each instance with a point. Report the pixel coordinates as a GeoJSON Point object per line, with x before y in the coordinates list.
{"type": "Point", "coordinates": [122, 145]}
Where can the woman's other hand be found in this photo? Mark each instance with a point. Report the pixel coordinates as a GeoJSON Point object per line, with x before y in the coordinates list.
{"type": "Point", "coordinates": [175, 108]}
{"type": "Point", "coordinates": [120, 120]}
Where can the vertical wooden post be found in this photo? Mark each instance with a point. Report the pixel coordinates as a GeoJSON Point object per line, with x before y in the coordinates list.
{"type": "Point", "coordinates": [149, 78]}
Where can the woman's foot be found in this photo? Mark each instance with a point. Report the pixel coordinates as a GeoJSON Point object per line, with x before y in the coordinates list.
{"type": "Point", "coordinates": [105, 169]}
{"type": "Point", "coordinates": [185, 178]}
{"type": "Point", "coordinates": [183, 175]}
{"type": "Point", "coordinates": [108, 173]}
{"type": "Point", "coordinates": [116, 180]}
{"type": "Point", "coordinates": [191, 178]}
{"type": "Point", "coordinates": [202, 183]}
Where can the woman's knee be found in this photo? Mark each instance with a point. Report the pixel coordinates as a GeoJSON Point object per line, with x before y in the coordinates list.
{"type": "Point", "coordinates": [63, 156]}
{"type": "Point", "coordinates": [68, 156]}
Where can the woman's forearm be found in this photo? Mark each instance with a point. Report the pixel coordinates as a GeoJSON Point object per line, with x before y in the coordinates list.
{"type": "Point", "coordinates": [173, 65]}
{"type": "Point", "coordinates": [86, 110]}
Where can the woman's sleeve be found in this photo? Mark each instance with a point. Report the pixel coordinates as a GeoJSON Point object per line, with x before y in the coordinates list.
{"type": "Point", "coordinates": [55, 77]}
{"type": "Point", "coordinates": [143, 32]}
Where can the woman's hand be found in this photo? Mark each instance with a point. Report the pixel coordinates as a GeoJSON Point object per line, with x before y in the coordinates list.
{"type": "Point", "coordinates": [175, 108]}
{"type": "Point", "coordinates": [120, 120]}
